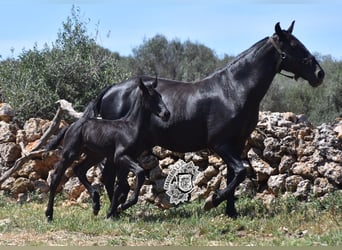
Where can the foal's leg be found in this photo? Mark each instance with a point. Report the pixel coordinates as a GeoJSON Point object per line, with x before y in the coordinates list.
{"type": "Point", "coordinates": [80, 171]}
{"type": "Point", "coordinates": [109, 175]}
{"type": "Point", "coordinates": [56, 177]}
{"type": "Point", "coordinates": [119, 189]}
{"type": "Point", "coordinates": [235, 175]}
{"type": "Point", "coordinates": [140, 179]}
{"type": "Point", "coordinates": [126, 163]}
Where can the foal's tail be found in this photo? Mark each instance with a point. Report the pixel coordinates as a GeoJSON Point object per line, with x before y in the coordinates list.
{"type": "Point", "coordinates": [91, 111]}
{"type": "Point", "coordinates": [53, 144]}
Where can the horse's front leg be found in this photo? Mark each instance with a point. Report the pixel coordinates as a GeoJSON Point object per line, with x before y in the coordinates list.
{"type": "Point", "coordinates": [235, 175]}
{"type": "Point", "coordinates": [80, 171]}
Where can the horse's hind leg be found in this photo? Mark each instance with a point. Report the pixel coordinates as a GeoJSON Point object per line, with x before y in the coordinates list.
{"type": "Point", "coordinates": [235, 175]}
{"type": "Point", "coordinates": [81, 171]}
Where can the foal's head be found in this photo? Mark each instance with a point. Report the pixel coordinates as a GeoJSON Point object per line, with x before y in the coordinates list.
{"type": "Point", "coordinates": [152, 100]}
{"type": "Point", "coordinates": [295, 57]}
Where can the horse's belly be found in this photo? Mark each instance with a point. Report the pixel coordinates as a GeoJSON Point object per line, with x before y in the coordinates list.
{"type": "Point", "coordinates": [182, 139]}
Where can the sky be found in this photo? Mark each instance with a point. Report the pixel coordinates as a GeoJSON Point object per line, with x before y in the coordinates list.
{"type": "Point", "coordinates": [226, 26]}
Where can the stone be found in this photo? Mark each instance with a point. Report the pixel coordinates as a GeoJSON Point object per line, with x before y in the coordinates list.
{"type": "Point", "coordinates": [21, 185]}
{"type": "Point", "coordinates": [214, 183]}
{"type": "Point", "coordinates": [276, 183]}
{"type": "Point", "coordinates": [41, 186]}
{"type": "Point", "coordinates": [215, 160]}
{"type": "Point", "coordinates": [303, 190]}
{"type": "Point", "coordinates": [10, 151]}
{"type": "Point", "coordinates": [166, 162]}
{"type": "Point", "coordinates": [261, 168]}
{"type": "Point", "coordinates": [161, 153]}
{"type": "Point", "coordinates": [246, 188]}
{"type": "Point", "coordinates": [200, 158]}
{"type": "Point", "coordinates": [6, 112]}
{"type": "Point", "coordinates": [286, 164]}
{"type": "Point", "coordinates": [305, 169]}
{"type": "Point", "coordinates": [8, 132]}
{"type": "Point", "coordinates": [291, 183]}
{"type": "Point", "coordinates": [7, 184]}
{"type": "Point", "coordinates": [73, 188]}
{"type": "Point", "coordinates": [332, 171]}
{"type": "Point", "coordinates": [34, 128]}
{"type": "Point", "coordinates": [322, 186]}
{"type": "Point", "coordinates": [338, 130]}
{"type": "Point", "coordinates": [210, 171]}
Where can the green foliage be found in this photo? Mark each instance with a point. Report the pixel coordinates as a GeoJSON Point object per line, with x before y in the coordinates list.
{"type": "Point", "coordinates": [173, 59]}
{"type": "Point", "coordinates": [75, 68]}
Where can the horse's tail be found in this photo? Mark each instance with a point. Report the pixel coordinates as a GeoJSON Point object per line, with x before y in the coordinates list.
{"type": "Point", "coordinates": [98, 99]}
{"type": "Point", "coordinates": [93, 108]}
{"type": "Point", "coordinates": [57, 140]}
{"type": "Point", "coordinates": [90, 111]}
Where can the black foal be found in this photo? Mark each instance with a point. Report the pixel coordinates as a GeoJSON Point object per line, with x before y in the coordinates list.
{"type": "Point", "coordinates": [120, 140]}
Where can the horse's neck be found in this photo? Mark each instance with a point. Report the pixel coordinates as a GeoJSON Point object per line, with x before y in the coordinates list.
{"type": "Point", "coordinates": [251, 74]}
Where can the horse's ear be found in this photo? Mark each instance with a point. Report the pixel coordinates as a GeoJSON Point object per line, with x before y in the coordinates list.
{"type": "Point", "coordinates": [290, 29]}
{"type": "Point", "coordinates": [278, 31]}
{"type": "Point", "coordinates": [155, 83]}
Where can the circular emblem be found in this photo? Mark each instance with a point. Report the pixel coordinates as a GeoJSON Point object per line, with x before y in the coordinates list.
{"type": "Point", "coordinates": [179, 182]}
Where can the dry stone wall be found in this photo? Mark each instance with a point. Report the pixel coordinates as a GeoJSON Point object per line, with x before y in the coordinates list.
{"type": "Point", "coordinates": [284, 154]}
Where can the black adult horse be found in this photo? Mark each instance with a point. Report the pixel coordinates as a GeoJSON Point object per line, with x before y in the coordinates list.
{"type": "Point", "coordinates": [119, 140]}
{"type": "Point", "coordinates": [220, 111]}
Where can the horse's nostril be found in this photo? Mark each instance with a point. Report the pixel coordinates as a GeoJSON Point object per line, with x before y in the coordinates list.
{"type": "Point", "coordinates": [320, 74]}
{"type": "Point", "coordinates": [166, 115]}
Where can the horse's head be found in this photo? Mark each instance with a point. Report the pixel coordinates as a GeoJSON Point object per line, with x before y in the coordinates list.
{"type": "Point", "coordinates": [152, 100]}
{"type": "Point", "coordinates": [295, 58]}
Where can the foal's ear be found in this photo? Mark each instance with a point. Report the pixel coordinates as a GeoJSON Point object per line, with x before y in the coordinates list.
{"type": "Point", "coordinates": [155, 83]}
{"type": "Point", "coordinates": [142, 86]}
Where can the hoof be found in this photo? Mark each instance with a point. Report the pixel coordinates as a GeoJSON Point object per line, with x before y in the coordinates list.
{"type": "Point", "coordinates": [119, 209]}
{"type": "Point", "coordinates": [49, 218]}
{"type": "Point", "coordinates": [113, 216]}
{"type": "Point", "coordinates": [209, 204]}
{"type": "Point", "coordinates": [95, 212]}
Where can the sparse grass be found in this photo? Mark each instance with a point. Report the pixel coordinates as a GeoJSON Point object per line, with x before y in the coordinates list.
{"type": "Point", "coordinates": [286, 222]}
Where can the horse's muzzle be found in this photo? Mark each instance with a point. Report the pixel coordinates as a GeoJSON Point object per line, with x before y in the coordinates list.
{"type": "Point", "coordinates": [319, 77]}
